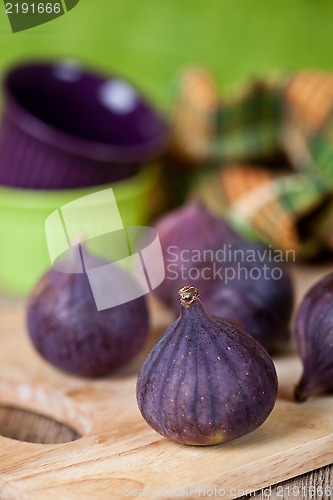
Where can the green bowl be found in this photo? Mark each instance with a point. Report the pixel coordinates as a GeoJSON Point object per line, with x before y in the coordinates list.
{"type": "Point", "coordinates": [24, 255]}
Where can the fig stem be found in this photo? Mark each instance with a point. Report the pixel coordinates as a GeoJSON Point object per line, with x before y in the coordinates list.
{"type": "Point", "coordinates": [188, 295]}
{"type": "Point", "coordinates": [300, 395]}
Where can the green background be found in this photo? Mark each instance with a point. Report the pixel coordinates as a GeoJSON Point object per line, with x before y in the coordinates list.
{"type": "Point", "coordinates": [149, 41]}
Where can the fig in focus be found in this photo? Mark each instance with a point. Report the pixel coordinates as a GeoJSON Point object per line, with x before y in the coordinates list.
{"type": "Point", "coordinates": [68, 330]}
{"type": "Point", "coordinates": [314, 335]}
{"type": "Point", "coordinates": [205, 381]}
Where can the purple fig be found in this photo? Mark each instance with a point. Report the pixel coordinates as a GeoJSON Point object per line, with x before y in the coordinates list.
{"type": "Point", "coordinates": [247, 286]}
{"type": "Point", "coordinates": [314, 335]}
{"type": "Point", "coordinates": [205, 381]}
{"type": "Point", "coordinates": [184, 230]}
{"type": "Point", "coordinates": [69, 331]}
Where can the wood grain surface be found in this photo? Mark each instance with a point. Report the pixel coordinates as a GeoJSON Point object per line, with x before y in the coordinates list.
{"type": "Point", "coordinates": [118, 455]}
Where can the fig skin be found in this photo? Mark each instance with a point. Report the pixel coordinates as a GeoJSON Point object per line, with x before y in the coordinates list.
{"type": "Point", "coordinates": [69, 332]}
{"type": "Point", "coordinates": [314, 336]}
{"type": "Point", "coordinates": [205, 382]}
{"type": "Point", "coordinates": [261, 307]}
{"type": "Point", "coordinates": [190, 227]}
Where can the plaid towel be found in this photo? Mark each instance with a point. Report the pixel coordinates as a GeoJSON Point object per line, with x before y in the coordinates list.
{"type": "Point", "coordinates": [287, 202]}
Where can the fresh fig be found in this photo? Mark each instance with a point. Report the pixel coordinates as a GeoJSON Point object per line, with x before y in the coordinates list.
{"type": "Point", "coordinates": [69, 331]}
{"type": "Point", "coordinates": [182, 231]}
{"type": "Point", "coordinates": [314, 335]}
{"type": "Point", "coordinates": [248, 284]}
{"type": "Point", "coordinates": [205, 381]}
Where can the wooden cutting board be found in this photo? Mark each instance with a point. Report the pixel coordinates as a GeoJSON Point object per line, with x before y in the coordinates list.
{"type": "Point", "coordinates": [119, 456]}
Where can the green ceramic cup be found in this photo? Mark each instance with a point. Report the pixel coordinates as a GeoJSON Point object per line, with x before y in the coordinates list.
{"type": "Point", "coordinates": [23, 250]}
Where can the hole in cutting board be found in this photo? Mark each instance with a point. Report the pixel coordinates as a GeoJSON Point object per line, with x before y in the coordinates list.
{"type": "Point", "coordinates": [31, 427]}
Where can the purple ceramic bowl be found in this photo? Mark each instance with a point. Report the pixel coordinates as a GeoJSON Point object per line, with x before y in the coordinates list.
{"type": "Point", "coordinates": [65, 127]}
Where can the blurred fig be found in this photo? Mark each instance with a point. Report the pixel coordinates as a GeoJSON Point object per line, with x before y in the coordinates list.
{"type": "Point", "coordinates": [184, 230]}
{"type": "Point", "coordinates": [69, 331]}
{"type": "Point", "coordinates": [205, 381]}
{"type": "Point", "coordinates": [314, 335]}
{"type": "Point", "coordinates": [248, 284]}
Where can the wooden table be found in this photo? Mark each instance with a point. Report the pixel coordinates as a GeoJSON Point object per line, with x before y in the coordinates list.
{"type": "Point", "coordinates": [20, 425]}
{"type": "Point", "coordinates": [27, 426]}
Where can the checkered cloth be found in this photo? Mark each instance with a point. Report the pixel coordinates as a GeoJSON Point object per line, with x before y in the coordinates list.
{"type": "Point", "coordinates": [287, 202]}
